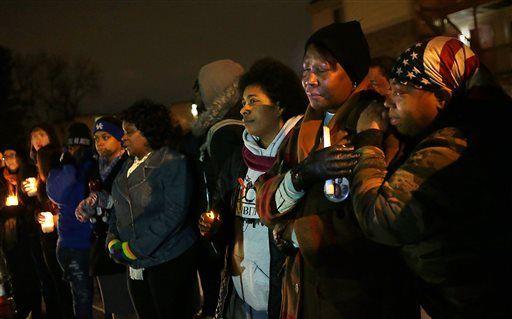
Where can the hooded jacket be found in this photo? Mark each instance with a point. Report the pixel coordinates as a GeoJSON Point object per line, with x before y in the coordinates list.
{"type": "Point", "coordinates": [218, 85]}
{"type": "Point", "coordinates": [249, 244]}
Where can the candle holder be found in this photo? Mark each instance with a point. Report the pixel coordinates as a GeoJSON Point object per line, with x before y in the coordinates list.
{"type": "Point", "coordinates": [47, 226]}
{"type": "Point", "coordinates": [336, 190]}
{"type": "Point", "coordinates": [30, 185]}
{"type": "Point", "coordinates": [12, 200]}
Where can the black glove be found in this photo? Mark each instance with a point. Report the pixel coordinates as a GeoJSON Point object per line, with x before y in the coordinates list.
{"type": "Point", "coordinates": [327, 163]}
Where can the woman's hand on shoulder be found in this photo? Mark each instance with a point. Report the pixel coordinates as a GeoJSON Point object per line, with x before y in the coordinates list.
{"type": "Point", "coordinates": [375, 116]}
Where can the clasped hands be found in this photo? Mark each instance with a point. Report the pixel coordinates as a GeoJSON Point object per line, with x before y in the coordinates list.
{"type": "Point", "coordinates": [87, 207]}
{"type": "Point", "coordinates": [327, 163]}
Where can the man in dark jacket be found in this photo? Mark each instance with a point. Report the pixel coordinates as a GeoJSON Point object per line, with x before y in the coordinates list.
{"type": "Point", "coordinates": [111, 276]}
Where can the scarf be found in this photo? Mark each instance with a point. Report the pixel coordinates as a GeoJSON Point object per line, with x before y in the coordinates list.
{"type": "Point", "coordinates": [259, 159]}
{"type": "Point", "coordinates": [105, 167]}
{"type": "Point", "coordinates": [310, 133]}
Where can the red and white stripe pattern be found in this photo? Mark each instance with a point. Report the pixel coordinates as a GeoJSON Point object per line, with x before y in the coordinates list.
{"type": "Point", "coordinates": [449, 63]}
{"type": "Point", "coordinates": [441, 63]}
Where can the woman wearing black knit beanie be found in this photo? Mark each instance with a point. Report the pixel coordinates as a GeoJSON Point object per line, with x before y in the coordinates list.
{"type": "Point", "coordinates": [332, 271]}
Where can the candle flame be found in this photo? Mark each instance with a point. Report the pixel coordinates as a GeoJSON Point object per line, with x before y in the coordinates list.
{"type": "Point", "coordinates": [211, 214]}
{"type": "Point", "coordinates": [12, 200]}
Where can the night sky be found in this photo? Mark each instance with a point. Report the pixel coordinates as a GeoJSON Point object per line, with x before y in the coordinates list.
{"type": "Point", "coordinates": [154, 49]}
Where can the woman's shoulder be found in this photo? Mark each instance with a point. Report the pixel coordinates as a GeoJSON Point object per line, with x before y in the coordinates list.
{"type": "Point", "coordinates": [447, 136]}
{"type": "Point", "coordinates": [167, 157]}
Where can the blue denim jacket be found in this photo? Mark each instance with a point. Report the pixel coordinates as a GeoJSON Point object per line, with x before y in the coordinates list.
{"type": "Point", "coordinates": [151, 207]}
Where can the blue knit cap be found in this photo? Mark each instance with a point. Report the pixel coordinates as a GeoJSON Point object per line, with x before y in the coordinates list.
{"type": "Point", "coordinates": [105, 126]}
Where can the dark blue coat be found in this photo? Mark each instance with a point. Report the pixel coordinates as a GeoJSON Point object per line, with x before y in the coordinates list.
{"type": "Point", "coordinates": [67, 186]}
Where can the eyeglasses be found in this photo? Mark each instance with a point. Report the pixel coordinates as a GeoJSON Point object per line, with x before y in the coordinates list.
{"type": "Point", "coordinates": [10, 156]}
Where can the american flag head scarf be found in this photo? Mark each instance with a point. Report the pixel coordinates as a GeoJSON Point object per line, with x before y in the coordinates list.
{"type": "Point", "coordinates": [442, 63]}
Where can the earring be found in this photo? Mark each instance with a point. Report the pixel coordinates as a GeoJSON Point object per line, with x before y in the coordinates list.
{"type": "Point", "coordinates": [355, 84]}
{"type": "Point", "coordinates": [279, 108]}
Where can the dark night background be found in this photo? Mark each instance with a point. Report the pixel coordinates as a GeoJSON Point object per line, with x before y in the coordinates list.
{"type": "Point", "coordinates": [154, 49]}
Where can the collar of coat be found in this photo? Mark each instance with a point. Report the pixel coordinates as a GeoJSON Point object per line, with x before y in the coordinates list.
{"type": "Point", "coordinates": [156, 158]}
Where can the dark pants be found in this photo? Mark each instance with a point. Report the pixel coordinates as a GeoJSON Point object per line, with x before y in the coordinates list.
{"type": "Point", "coordinates": [210, 265]}
{"type": "Point", "coordinates": [168, 290]}
{"type": "Point", "coordinates": [26, 288]}
{"type": "Point", "coordinates": [75, 264]}
{"type": "Point", "coordinates": [56, 292]}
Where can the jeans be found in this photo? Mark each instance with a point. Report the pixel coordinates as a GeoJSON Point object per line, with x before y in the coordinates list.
{"type": "Point", "coordinates": [75, 265]}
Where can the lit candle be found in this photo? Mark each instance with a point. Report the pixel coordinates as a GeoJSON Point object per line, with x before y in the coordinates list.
{"type": "Point", "coordinates": [329, 184]}
{"type": "Point", "coordinates": [12, 200]}
{"type": "Point", "coordinates": [47, 226]}
{"type": "Point", "coordinates": [211, 214]}
{"type": "Point", "coordinates": [31, 186]}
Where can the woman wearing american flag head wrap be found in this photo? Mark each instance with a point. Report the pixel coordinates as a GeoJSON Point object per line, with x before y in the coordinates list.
{"type": "Point", "coordinates": [445, 203]}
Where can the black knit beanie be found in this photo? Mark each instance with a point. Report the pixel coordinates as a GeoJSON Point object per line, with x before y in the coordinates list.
{"type": "Point", "coordinates": [79, 134]}
{"type": "Point", "coordinates": [347, 44]}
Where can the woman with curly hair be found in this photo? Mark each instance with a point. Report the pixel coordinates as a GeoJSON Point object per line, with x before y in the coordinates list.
{"type": "Point", "coordinates": [272, 102]}
{"type": "Point", "coordinates": [148, 229]}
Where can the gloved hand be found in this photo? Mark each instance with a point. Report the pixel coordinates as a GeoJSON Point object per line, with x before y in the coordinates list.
{"type": "Point", "coordinates": [120, 251]}
{"type": "Point", "coordinates": [327, 163]}
{"type": "Point", "coordinates": [103, 200]}
{"type": "Point", "coordinates": [87, 208]}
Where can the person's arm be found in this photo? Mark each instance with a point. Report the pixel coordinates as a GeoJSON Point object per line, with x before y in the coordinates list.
{"type": "Point", "coordinates": [278, 193]}
{"type": "Point", "coordinates": [60, 181]}
{"type": "Point", "coordinates": [392, 209]}
{"type": "Point", "coordinates": [112, 232]}
{"type": "Point", "coordinates": [272, 188]}
{"type": "Point", "coordinates": [175, 185]}
{"type": "Point", "coordinates": [220, 228]}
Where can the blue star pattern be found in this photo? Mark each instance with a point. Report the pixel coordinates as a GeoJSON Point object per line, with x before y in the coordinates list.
{"type": "Point", "coordinates": [409, 69]}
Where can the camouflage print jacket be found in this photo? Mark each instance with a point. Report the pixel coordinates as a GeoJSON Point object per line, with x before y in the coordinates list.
{"type": "Point", "coordinates": [437, 207]}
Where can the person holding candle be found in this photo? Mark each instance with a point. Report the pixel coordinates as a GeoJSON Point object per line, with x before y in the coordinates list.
{"type": "Point", "coordinates": [272, 104]}
{"type": "Point", "coordinates": [17, 227]}
{"type": "Point", "coordinates": [41, 135]}
{"type": "Point", "coordinates": [150, 229]}
{"type": "Point", "coordinates": [331, 270]}
{"type": "Point", "coordinates": [445, 204]}
{"type": "Point", "coordinates": [56, 292]}
{"type": "Point", "coordinates": [213, 137]}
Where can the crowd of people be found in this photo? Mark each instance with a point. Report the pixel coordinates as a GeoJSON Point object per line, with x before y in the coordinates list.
{"type": "Point", "coordinates": [361, 189]}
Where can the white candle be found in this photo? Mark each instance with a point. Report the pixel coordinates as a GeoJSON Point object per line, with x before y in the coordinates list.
{"type": "Point", "coordinates": [47, 226]}
{"type": "Point", "coordinates": [12, 200]}
{"type": "Point", "coordinates": [329, 184]}
{"type": "Point", "coordinates": [327, 136]}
